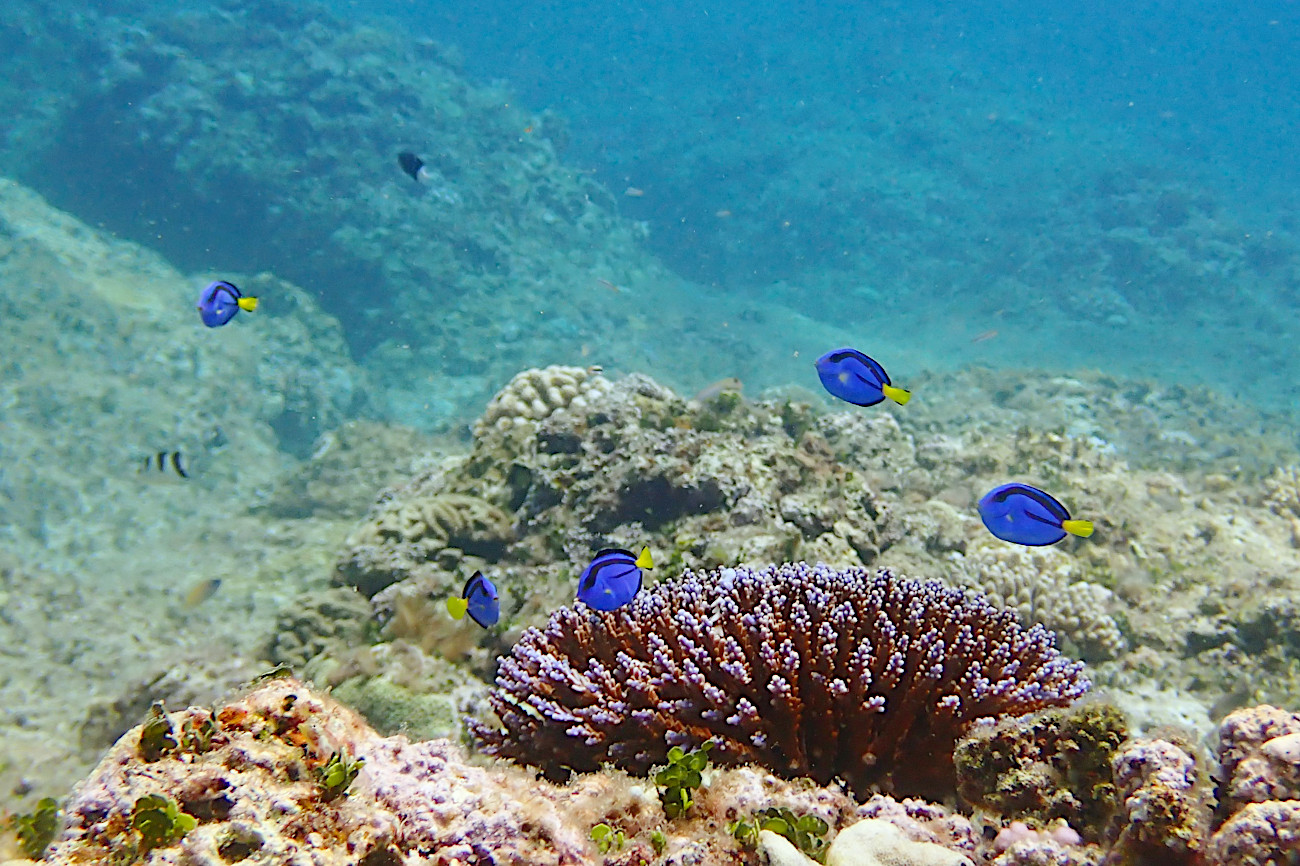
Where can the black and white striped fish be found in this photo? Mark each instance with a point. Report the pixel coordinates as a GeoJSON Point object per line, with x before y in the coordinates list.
{"type": "Point", "coordinates": [164, 464]}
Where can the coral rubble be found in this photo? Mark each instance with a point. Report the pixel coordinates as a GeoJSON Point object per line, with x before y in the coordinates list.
{"type": "Point", "coordinates": [805, 670]}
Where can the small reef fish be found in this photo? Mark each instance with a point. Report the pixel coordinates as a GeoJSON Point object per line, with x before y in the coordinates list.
{"type": "Point", "coordinates": [855, 378]}
{"type": "Point", "coordinates": [984, 336]}
{"type": "Point", "coordinates": [479, 599]}
{"type": "Point", "coordinates": [613, 578]}
{"type": "Point", "coordinates": [164, 465]}
{"type": "Point", "coordinates": [722, 386]}
{"type": "Point", "coordinates": [412, 165]}
{"type": "Point", "coordinates": [220, 301]}
{"type": "Point", "coordinates": [201, 592]}
{"type": "Point", "coordinates": [1026, 515]}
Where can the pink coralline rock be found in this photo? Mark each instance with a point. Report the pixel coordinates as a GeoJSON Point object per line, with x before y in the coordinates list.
{"type": "Point", "coordinates": [1259, 757]}
{"type": "Point", "coordinates": [922, 821]}
{"type": "Point", "coordinates": [1259, 789]}
{"type": "Point", "coordinates": [1164, 801]}
{"type": "Point", "coordinates": [1260, 834]}
{"type": "Point", "coordinates": [739, 793]}
{"type": "Point", "coordinates": [254, 788]}
{"type": "Point", "coordinates": [1048, 852]}
{"type": "Point", "coordinates": [250, 773]}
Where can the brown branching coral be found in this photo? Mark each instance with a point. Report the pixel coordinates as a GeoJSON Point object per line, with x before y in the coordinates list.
{"type": "Point", "coordinates": [805, 670]}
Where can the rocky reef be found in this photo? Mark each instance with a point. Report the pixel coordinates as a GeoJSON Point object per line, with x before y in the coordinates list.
{"type": "Point", "coordinates": [731, 481]}
{"type": "Point", "coordinates": [286, 774]}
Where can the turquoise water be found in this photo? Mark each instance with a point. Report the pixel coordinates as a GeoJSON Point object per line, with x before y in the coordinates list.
{"type": "Point", "coordinates": [1072, 200]}
{"type": "Point", "coordinates": [1108, 187]}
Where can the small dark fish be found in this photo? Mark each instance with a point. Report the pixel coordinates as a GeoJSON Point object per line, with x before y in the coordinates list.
{"type": "Point", "coordinates": [613, 578]}
{"type": "Point", "coordinates": [855, 378]}
{"type": "Point", "coordinates": [201, 592]}
{"type": "Point", "coordinates": [1026, 515]}
{"type": "Point", "coordinates": [411, 164]}
{"type": "Point", "coordinates": [220, 301]}
{"type": "Point", "coordinates": [166, 464]}
{"type": "Point", "coordinates": [479, 599]}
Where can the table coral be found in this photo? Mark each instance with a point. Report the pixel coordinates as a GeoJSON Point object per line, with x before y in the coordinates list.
{"type": "Point", "coordinates": [805, 670]}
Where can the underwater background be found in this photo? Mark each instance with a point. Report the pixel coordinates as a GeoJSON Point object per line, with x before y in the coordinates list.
{"type": "Point", "coordinates": [1070, 232]}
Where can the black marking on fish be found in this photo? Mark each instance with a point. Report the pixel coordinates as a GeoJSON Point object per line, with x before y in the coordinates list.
{"type": "Point", "coordinates": [225, 286]}
{"type": "Point", "coordinates": [411, 164]}
{"type": "Point", "coordinates": [1050, 505]}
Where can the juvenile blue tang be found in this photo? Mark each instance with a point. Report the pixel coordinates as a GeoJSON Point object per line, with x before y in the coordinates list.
{"type": "Point", "coordinates": [479, 599]}
{"type": "Point", "coordinates": [1026, 515]}
{"type": "Point", "coordinates": [855, 378]}
{"type": "Point", "coordinates": [220, 301]}
{"type": "Point", "coordinates": [613, 579]}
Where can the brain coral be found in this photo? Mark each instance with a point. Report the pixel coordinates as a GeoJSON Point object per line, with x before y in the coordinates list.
{"type": "Point", "coordinates": [806, 670]}
{"type": "Point", "coordinates": [404, 534]}
{"type": "Point", "coordinates": [534, 394]}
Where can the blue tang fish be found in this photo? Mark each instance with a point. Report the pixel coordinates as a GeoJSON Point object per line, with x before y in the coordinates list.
{"type": "Point", "coordinates": [613, 578]}
{"type": "Point", "coordinates": [1026, 515]}
{"type": "Point", "coordinates": [479, 599]}
{"type": "Point", "coordinates": [855, 378]}
{"type": "Point", "coordinates": [220, 301]}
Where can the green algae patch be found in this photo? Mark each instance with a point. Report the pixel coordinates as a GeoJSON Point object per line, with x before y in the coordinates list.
{"type": "Point", "coordinates": [392, 708]}
{"type": "Point", "coordinates": [36, 830]}
{"type": "Point", "coordinates": [160, 821]}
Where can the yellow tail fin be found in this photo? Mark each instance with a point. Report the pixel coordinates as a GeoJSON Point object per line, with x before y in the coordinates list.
{"type": "Point", "coordinates": [247, 304]}
{"type": "Point", "coordinates": [644, 561]}
{"type": "Point", "coordinates": [1081, 528]}
{"type": "Point", "coordinates": [898, 395]}
{"type": "Point", "coordinates": [457, 606]}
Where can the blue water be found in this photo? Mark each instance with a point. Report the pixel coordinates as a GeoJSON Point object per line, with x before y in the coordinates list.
{"type": "Point", "coordinates": [1205, 90]}
{"type": "Point", "coordinates": [1117, 174]}
{"type": "Point", "coordinates": [1107, 186]}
